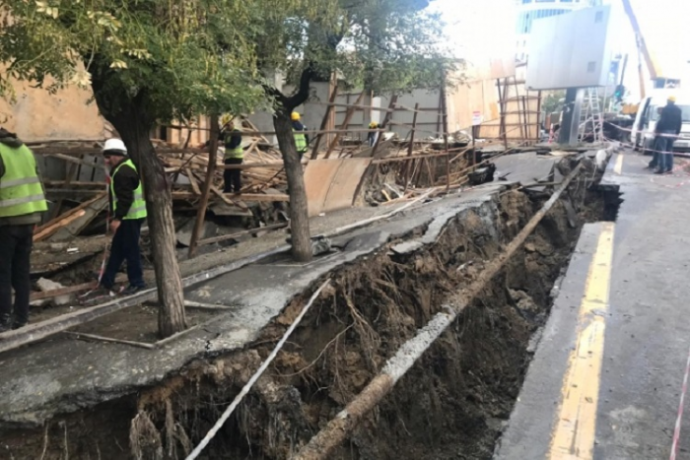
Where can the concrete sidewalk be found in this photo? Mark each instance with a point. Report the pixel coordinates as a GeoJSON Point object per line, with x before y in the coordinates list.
{"type": "Point", "coordinates": [607, 377]}
{"type": "Point", "coordinates": [61, 375]}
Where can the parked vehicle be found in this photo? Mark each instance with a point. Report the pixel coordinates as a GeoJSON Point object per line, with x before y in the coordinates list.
{"type": "Point", "coordinates": [648, 115]}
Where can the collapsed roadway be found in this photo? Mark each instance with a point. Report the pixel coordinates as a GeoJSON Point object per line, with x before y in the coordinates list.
{"type": "Point", "coordinates": [454, 289]}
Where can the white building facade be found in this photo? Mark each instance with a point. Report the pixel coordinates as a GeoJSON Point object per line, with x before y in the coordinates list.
{"type": "Point", "coordinates": [529, 11]}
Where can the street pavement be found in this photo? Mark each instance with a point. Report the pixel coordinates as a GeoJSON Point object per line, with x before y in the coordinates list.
{"type": "Point", "coordinates": [606, 381]}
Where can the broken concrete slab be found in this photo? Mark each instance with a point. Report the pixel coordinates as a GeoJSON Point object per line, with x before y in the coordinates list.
{"type": "Point", "coordinates": [407, 247]}
{"type": "Point", "coordinates": [526, 168]}
{"type": "Point", "coordinates": [184, 234]}
{"type": "Point", "coordinates": [62, 375]}
{"type": "Point", "coordinates": [436, 226]}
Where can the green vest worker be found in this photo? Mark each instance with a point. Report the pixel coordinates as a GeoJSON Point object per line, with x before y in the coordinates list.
{"type": "Point", "coordinates": [128, 212]}
{"type": "Point", "coordinates": [21, 203]}
{"type": "Point", "coordinates": [301, 139]}
{"type": "Point", "coordinates": [234, 155]}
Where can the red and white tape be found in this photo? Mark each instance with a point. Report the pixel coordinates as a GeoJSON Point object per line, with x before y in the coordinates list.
{"type": "Point", "coordinates": [679, 419]}
{"type": "Point", "coordinates": [655, 135]}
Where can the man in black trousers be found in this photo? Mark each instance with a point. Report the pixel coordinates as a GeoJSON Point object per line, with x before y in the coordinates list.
{"type": "Point", "coordinates": [128, 213]}
{"type": "Point", "coordinates": [21, 203]}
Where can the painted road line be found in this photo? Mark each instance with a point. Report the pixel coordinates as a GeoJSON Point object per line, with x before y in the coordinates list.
{"type": "Point", "coordinates": [575, 427]}
{"type": "Point", "coordinates": [618, 169]}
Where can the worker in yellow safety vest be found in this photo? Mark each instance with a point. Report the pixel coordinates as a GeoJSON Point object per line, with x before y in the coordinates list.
{"type": "Point", "coordinates": [301, 139]}
{"type": "Point", "coordinates": [231, 136]}
{"type": "Point", "coordinates": [127, 214]}
{"type": "Point", "coordinates": [22, 201]}
{"type": "Point", "coordinates": [373, 136]}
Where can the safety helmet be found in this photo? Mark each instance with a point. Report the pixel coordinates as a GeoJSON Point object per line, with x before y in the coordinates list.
{"type": "Point", "coordinates": [295, 116]}
{"type": "Point", "coordinates": [115, 147]}
{"type": "Point", "coordinates": [225, 119]}
{"type": "Point", "coordinates": [373, 125]}
{"type": "Point", "coordinates": [672, 99]}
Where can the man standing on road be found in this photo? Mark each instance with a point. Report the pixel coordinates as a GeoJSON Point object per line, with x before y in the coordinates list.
{"type": "Point", "coordinates": [21, 203]}
{"type": "Point", "coordinates": [128, 211]}
{"type": "Point", "coordinates": [667, 129]}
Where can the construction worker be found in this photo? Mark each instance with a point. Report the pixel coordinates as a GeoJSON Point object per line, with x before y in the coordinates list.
{"type": "Point", "coordinates": [234, 154]}
{"type": "Point", "coordinates": [301, 140]}
{"type": "Point", "coordinates": [667, 130]}
{"type": "Point", "coordinates": [128, 212]}
{"type": "Point", "coordinates": [373, 136]}
{"type": "Point", "coordinates": [21, 203]}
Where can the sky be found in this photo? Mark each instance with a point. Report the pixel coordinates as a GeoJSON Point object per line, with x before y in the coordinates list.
{"type": "Point", "coordinates": [664, 25]}
{"type": "Point", "coordinates": [477, 28]}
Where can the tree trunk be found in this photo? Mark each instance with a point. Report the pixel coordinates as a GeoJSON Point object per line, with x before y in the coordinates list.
{"type": "Point", "coordinates": [197, 233]}
{"type": "Point", "coordinates": [134, 128]}
{"type": "Point", "coordinates": [299, 211]}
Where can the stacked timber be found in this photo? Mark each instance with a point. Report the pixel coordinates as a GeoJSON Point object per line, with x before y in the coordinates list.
{"type": "Point", "coordinates": [255, 178]}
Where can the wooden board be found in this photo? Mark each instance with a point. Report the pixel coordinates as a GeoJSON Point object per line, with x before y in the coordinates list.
{"type": "Point", "coordinates": [331, 184]}
{"type": "Point", "coordinates": [522, 113]}
{"type": "Point", "coordinates": [75, 227]}
{"type": "Point", "coordinates": [251, 197]}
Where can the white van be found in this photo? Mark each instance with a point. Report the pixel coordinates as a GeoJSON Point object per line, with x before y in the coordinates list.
{"type": "Point", "coordinates": [647, 116]}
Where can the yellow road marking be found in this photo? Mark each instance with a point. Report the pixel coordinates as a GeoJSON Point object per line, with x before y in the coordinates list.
{"type": "Point", "coordinates": [618, 169]}
{"type": "Point", "coordinates": [573, 434]}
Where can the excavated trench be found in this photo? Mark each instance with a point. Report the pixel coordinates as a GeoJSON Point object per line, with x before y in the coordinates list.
{"type": "Point", "coordinates": [453, 403]}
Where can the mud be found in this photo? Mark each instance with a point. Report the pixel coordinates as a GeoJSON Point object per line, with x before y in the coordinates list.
{"type": "Point", "coordinates": [451, 405]}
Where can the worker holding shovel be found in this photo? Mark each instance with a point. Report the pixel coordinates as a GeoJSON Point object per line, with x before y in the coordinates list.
{"type": "Point", "coordinates": [128, 211]}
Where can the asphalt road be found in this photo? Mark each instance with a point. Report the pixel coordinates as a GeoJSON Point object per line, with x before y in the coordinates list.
{"type": "Point", "coordinates": [607, 378]}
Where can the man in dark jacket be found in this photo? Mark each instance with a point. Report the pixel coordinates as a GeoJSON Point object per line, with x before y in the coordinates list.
{"type": "Point", "coordinates": [128, 212]}
{"type": "Point", "coordinates": [667, 130]}
{"type": "Point", "coordinates": [234, 156]}
{"type": "Point", "coordinates": [22, 201]}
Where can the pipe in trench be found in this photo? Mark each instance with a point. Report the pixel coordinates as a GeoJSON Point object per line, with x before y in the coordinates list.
{"type": "Point", "coordinates": [248, 386]}
{"type": "Point", "coordinates": [335, 432]}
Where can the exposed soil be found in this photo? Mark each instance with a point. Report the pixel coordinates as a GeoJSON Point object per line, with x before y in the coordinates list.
{"type": "Point", "coordinates": [451, 405]}
{"type": "Point", "coordinates": [138, 323]}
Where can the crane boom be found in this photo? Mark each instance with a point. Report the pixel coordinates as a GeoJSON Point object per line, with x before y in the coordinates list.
{"type": "Point", "coordinates": [641, 43]}
{"type": "Point", "coordinates": [659, 79]}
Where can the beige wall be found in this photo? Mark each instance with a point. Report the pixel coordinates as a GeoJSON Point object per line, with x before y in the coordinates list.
{"type": "Point", "coordinates": [37, 115]}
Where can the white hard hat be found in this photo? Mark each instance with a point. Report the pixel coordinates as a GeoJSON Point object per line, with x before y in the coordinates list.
{"type": "Point", "coordinates": [115, 145]}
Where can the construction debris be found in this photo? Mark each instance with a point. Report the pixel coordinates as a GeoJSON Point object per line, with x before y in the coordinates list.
{"type": "Point", "coordinates": [46, 285]}
{"type": "Point", "coordinates": [346, 172]}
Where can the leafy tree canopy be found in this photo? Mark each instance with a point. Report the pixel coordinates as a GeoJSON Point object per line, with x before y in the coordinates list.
{"type": "Point", "coordinates": [378, 44]}
{"type": "Point", "coordinates": [182, 57]}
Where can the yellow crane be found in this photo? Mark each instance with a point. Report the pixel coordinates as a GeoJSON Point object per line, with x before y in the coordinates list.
{"type": "Point", "coordinates": [658, 79]}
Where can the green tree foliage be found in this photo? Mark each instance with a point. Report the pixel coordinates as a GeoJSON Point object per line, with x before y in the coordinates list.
{"type": "Point", "coordinates": [376, 44]}
{"type": "Point", "coordinates": [183, 57]}
{"type": "Point", "coordinates": [553, 102]}
{"type": "Point", "coordinates": [147, 61]}
{"type": "Point", "coordinates": [381, 44]}
{"type": "Point", "coordinates": [157, 60]}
